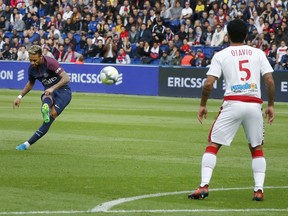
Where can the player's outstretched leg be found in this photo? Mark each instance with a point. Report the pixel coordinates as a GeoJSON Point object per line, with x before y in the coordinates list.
{"type": "Point", "coordinates": [37, 135]}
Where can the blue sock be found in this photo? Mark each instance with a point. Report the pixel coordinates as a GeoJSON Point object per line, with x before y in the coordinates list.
{"type": "Point", "coordinates": [41, 131]}
{"type": "Point", "coordinates": [48, 101]}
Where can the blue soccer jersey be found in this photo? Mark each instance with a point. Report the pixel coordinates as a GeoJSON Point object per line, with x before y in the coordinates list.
{"type": "Point", "coordinates": [48, 73]}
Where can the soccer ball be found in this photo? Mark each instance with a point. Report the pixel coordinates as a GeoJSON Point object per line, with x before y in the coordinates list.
{"type": "Point", "coordinates": [109, 75]}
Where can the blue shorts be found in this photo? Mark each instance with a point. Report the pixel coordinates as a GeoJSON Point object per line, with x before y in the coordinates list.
{"type": "Point", "coordinates": [61, 98]}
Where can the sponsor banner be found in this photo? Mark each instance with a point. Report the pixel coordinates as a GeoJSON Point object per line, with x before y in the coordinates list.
{"type": "Point", "coordinates": [133, 79]}
{"type": "Point", "coordinates": [188, 82]}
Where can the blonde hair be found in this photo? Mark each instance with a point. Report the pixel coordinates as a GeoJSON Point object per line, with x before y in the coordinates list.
{"type": "Point", "coordinates": [35, 49]}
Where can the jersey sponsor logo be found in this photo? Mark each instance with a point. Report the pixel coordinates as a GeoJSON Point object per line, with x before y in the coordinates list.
{"type": "Point", "coordinates": [244, 87]}
{"type": "Point", "coordinates": [49, 81]}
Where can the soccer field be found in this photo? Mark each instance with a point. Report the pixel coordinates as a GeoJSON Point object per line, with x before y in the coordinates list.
{"type": "Point", "coordinates": [131, 155]}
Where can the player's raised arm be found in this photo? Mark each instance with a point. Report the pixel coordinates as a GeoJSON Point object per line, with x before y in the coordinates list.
{"type": "Point", "coordinates": [25, 90]}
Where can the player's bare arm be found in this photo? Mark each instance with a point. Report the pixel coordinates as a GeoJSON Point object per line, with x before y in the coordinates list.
{"type": "Point", "coordinates": [64, 80]}
{"type": "Point", "coordinates": [270, 90]}
{"type": "Point", "coordinates": [25, 90]}
{"type": "Point", "coordinates": [207, 89]}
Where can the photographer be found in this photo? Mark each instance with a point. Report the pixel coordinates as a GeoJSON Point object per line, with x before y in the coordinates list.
{"type": "Point", "coordinates": [110, 49]}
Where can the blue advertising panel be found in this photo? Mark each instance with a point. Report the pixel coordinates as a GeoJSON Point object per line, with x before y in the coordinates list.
{"type": "Point", "coordinates": [133, 79]}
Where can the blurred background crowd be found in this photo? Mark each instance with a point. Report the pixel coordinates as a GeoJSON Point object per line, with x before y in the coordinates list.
{"type": "Point", "coordinates": [165, 32]}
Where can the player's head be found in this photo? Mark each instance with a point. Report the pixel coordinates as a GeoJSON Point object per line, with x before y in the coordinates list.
{"type": "Point", "coordinates": [237, 30]}
{"type": "Point", "coordinates": [35, 55]}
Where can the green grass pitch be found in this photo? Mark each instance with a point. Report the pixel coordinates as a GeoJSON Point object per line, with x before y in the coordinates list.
{"type": "Point", "coordinates": [106, 147]}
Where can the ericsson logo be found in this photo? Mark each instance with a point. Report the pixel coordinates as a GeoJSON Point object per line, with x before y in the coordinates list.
{"type": "Point", "coordinates": [20, 75]}
{"type": "Point", "coordinates": [9, 75]}
{"type": "Point", "coordinates": [119, 80]}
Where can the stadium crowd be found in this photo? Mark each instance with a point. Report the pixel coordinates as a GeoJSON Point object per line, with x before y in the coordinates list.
{"type": "Point", "coordinates": [165, 32]}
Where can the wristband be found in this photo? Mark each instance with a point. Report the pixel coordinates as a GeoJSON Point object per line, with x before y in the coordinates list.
{"type": "Point", "coordinates": [20, 96]}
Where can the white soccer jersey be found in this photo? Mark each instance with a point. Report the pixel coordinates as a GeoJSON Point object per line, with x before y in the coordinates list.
{"type": "Point", "coordinates": [242, 68]}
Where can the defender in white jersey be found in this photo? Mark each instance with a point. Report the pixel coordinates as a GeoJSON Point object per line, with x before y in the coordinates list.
{"type": "Point", "coordinates": [242, 67]}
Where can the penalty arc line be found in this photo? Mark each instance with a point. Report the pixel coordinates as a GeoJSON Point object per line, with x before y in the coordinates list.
{"type": "Point", "coordinates": [105, 207]}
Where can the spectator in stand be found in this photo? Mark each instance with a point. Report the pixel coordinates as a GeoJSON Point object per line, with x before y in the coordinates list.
{"type": "Point", "coordinates": [110, 50]}
{"type": "Point", "coordinates": [259, 41]}
{"type": "Point", "coordinates": [133, 35]}
{"type": "Point", "coordinates": [272, 55]}
{"type": "Point", "coordinates": [225, 43]}
{"type": "Point", "coordinates": [250, 9]}
{"type": "Point", "coordinates": [59, 24]}
{"type": "Point", "coordinates": [165, 60]}
{"type": "Point", "coordinates": [83, 41]}
{"type": "Point", "coordinates": [23, 54]}
{"type": "Point", "coordinates": [187, 58]}
{"type": "Point", "coordinates": [43, 24]}
{"type": "Point", "coordinates": [168, 35]}
{"type": "Point", "coordinates": [70, 55]}
{"type": "Point", "coordinates": [16, 42]}
{"type": "Point", "coordinates": [46, 52]}
{"type": "Point", "coordinates": [218, 36]}
{"type": "Point", "coordinates": [284, 61]}
{"type": "Point", "coordinates": [281, 51]}
{"type": "Point", "coordinates": [59, 52]}
{"type": "Point", "coordinates": [124, 33]}
{"type": "Point", "coordinates": [165, 13]}
{"type": "Point", "coordinates": [176, 60]}
{"type": "Point", "coordinates": [31, 8]}
{"type": "Point", "coordinates": [177, 41]}
{"type": "Point", "coordinates": [19, 24]}
{"type": "Point", "coordinates": [158, 31]}
{"type": "Point", "coordinates": [5, 54]}
{"type": "Point", "coordinates": [139, 51]}
{"type": "Point", "coordinates": [175, 11]}
{"type": "Point", "coordinates": [4, 24]}
{"type": "Point", "coordinates": [186, 13]}
{"type": "Point", "coordinates": [100, 49]}
{"type": "Point", "coordinates": [7, 13]}
{"type": "Point", "coordinates": [123, 57]}
{"type": "Point", "coordinates": [199, 60]}
{"type": "Point", "coordinates": [185, 48]}
{"type": "Point", "coordinates": [90, 51]}
{"type": "Point", "coordinates": [145, 34]}
{"type": "Point", "coordinates": [127, 46]}
{"type": "Point", "coordinates": [27, 43]}
{"type": "Point", "coordinates": [199, 9]}
{"type": "Point", "coordinates": [69, 26]}
{"type": "Point", "coordinates": [68, 13]}
{"type": "Point", "coordinates": [251, 29]}
{"type": "Point", "coordinates": [14, 54]}
{"type": "Point", "coordinates": [73, 41]}
{"type": "Point", "coordinates": [97, 37]}
{"type": "Point", "coordinates": [211, 18]}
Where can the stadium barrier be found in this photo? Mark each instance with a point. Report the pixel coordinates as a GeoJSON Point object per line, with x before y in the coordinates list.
{"type": "Point", "coordinates": [135, 80]}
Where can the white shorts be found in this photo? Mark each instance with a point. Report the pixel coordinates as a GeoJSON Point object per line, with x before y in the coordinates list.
{"type": "Point", "coordinates": [231, 116]}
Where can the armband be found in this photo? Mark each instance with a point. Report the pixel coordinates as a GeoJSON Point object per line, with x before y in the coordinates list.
{"type": "Point", "coordinates": [20, 96]}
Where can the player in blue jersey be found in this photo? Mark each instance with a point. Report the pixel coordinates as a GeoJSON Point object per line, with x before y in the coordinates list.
{"type": "Point", "coordinates": [57, 93]}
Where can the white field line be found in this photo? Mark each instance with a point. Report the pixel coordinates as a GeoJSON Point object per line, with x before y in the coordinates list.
{"type": "Point", "coordinates": [105, 207]}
